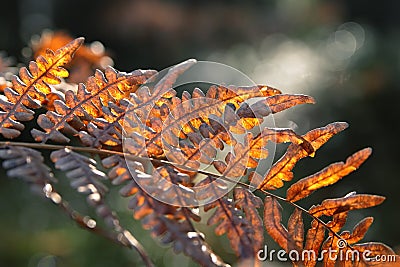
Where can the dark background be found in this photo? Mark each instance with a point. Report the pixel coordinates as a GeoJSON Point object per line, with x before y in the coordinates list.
{"type": "Point", "coordinates": [362, 89]}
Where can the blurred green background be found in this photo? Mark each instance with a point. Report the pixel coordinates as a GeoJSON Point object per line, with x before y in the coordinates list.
{"type": "Point", "coordinates": [344, 53]}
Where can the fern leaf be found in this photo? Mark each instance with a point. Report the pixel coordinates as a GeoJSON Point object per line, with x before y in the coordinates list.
{"type": "Point", "coordinates": [85, 177]}
{"type": "Point", "coordinates": [87, 102]}
{"type": "Point", "coordinates": [296, 230]}
{"type": "Point", "coordinates": [186, 116]}
{"type": "Point", "coordinates": [272, 222]}
{"type": "Point", "coordinates": [30, 88]}
{"type": "Point", "coordinates": [338, 221]}
{"type": "Point", "coordinates": [172, 224]}
{"type": "Point", "coordinates": [327, 176]}
{"type": "Point", "coordinates": [282, 169]}
{"type": "Point", "coordinates": [329, 207]}
{"type": "Point", "coordinates": [314, 239]}
{"type": "Point", "coordinates": [249, 203]}
{"type": "Point", "coordinates": [277, 103]}
{"type": "Point", "coordinates": [101, 131]}
{"type": "Point", "coordinates": [360, 230]}
{"type": "Point", "coordinates": [27, 164]}
{"type": "Point", "coordinates": [229, 219]}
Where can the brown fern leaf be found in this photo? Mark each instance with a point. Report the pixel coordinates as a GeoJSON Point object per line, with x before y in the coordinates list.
{"type": "Point", "coordinates": [87, 102]}
{"type": "Point", "coordinates": [182, 118]}
{"type": "Point", "coordinates": [314, 239]}
{"type": "Point", "coordinates": [360, 230]}
{"type": "Point", "coordinates": [274, 104]}
{"type": "Point", "coordinates": [31, 87]}
{"type": "Point", "coordinates": [351, 201]}
{"type": "Point", "coordinates": [246, 201]}
{"type": "Point", "coordinates": [327, 176]}
{"type": "Point", "coordinates": [338, 221]}
{"type": "Point", "coordinates": [86, 60]}
{"type": "Point", "coordinates": [282, 169]}
{"type": "Point", "coordinates": [229, 219]}
{"type": "Point", "coordinates": [246, 155]}
{"type": "Point", "coordinates": [87, 179]}
{"type": "Point", "coordinates": [187, 116]}
{"type": "Point", "coordinates": [27, 164]}
{"type": "Point", "coordinates": [82, 171]}
{"type": "Point", "coordinates": [108, 131]}
{"type": "Point", "coordinates": [272, 222]}
{"type": "Point", "coordinates": [172, 224]}
{"type": "Point", "coordinates": [296, 230]}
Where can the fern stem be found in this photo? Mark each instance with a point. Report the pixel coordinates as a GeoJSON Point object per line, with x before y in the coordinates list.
{"type": "Point", "coordinates": [160, 161]}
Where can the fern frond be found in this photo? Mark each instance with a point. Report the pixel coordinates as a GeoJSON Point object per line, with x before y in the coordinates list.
{"type": "Point", "coordinates": [86, 104]}
{"type": "Point", "coordinates": [171, 223]}
{"type": "Point", "coordinates": [27, 164]}
{"type": "Point", "coordinates": [351, 201]}
{"type": "Point", "coordinates": [229, 220]}
{"type": "Point", "coordinates": [30, 88]}
{"type": "Point", "coordinates": [246, 201]}
{"type": "Point", "coordinates": [282, 169]}
{"type": "Point", "coordinates": [327, 176]}
{"type": "Point", "coordinates": [273, 225]}
{"type": "Point", "coordinates": [85, 177]}
{"type": "Point", "coordinates": [314, 239]}
{"type": "Point", "coordinates": [108, 131]}
{"type": "Point", "coordinates": [247, 154]}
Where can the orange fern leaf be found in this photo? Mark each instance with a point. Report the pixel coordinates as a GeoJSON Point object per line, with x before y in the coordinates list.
{"type": "Point", "coordinates": [351, 201]}
{"type": "Point", "coordinates": [31, 87]}
{"type": "Point", "coordinates": [327, 176]}
{"type": "Point", "coordinates": [173, 224]}
{"type": "Point", "coordinates": [282, 169]}
{"type": "Point", "coordinates": [87, 103]}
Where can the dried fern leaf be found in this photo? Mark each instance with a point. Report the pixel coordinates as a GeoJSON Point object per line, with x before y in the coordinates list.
{"type": "Point", "coordinates": [246, 201]}
{"type": "Point", "coordinates": [327, 176]}
{"type": "Point", "coordinates": [27, 164]}
{"type": "Point", "coordinates": [282, 169]}
{"type": "Point", "coordinates": [108, 131]}
{"type": "Point", "coordinates": [278, 103]}
{"type": "Point", "coordinates": [86, 104]}
{"type": "Point", "coordinates": [360, 230]}
{"type": "Point", "coordinates": [172, 224]}
{"type": "Point", "coordinates": [82, 171]}
{"type": "Point", "coordinates": [338, 221]}
{"type": "Point", "coordinates": [296, 231]}
{"type": "Point", "coordinates": [87, 179]}
{"type": "Point", "coordinates": [329, 207]}
{"type": "Point", "coordinates": [30, 88]}
{"type": "Point", "coordinates": [272, 222]}
{"type": "Point", "coordinates": [314, 239]}
{"type": "Point", "coordinates": [183, 118]}
{"type": "Point", "coordinates": [229, 219]}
